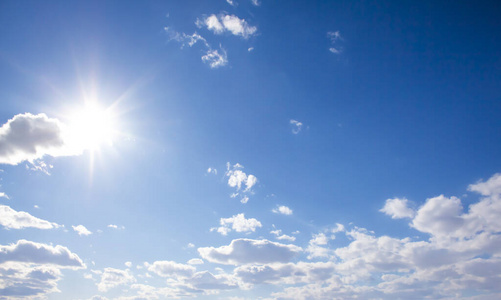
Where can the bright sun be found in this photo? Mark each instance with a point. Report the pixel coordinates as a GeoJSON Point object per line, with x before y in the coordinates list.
{"type": "Point", "coordinates": [92, 126]}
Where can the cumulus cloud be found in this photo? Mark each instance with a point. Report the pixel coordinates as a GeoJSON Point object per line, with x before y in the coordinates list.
{"type": "Point", "coordinates": [238, 223]}
{"type": "Point", "coordinates": [296, 126]}
{"type": "Point", "coordinates": [111, 278]}
{"type": "Point", "coordinates": [171, 269]}
{"type": "Point", "coordinates": [27, 137]}
{"type": "Point", "coordinates": [284, 210]}
{"type": "Point", "coordinates": [4, 195]}
{"type": "Point", "coordinates": [397, 208]}
{"type": "Point", "coordinates": [195, 261]}
{"type": "Point", "coordinates": [36, 253]}
{"type": "Point", "coordinates": [284, 237]}
{"type": "Point", "coordinates": [81, 230]}
{"type": "Point", "coordinates": [230, 23]}
{"type": "Point", "coordinates": [207, 281]}
{"type": "Point", "coordinates": [12, 219]}
{"type": "Point", "coordinates": [238, 178]}
{"type": "Point", "coordinates": [212, 171]}
{"type": "Point", "coordinates": [246, 251]}
{"type": "Point", "coordinates": [490, 187]}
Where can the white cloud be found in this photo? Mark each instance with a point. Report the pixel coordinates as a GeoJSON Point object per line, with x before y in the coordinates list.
{"type": "Point", "coordinates": [171, 269]}
{"type": "Point", "coordinates": [128, 264]}
{"type": "Point", "coordinates": [12, 219]}
{"type": "Point", "coordinates": [284, 210]}
{"type": "Point", "coordinates": [296, 126]}
{"type": "Point", "coordinates": [215, 59]}
{"type": "Point", "coordinates": [334, 37]}
{"type": "Point", "coordinates": [230, 2]}
{"type": "Point", "coordinates": [439, 216]}
{"type": "Point", "coordinates": [212, 171]}
{"type": "Point", "coordinates": [246, 251]}
{"type": "Point", "coordinates": [237, 178]}
{"type": "Point", "coordinates": [398, 208]}
{"type": "Point", "coordinates": [111, 278]}
{"type": "Point", "coordinates": [81, 230]}
{"type": "Point", "coordinates": [113, 226]}
{"type": "Point", "coordinates": [230, 23]}
{"type": "Point", "coordinates": [489, 188]}
{"type": "Point", "coordinates": [195, 261]}
{"type": "Point", "coordinates": [27, 137]}
{"type": "Point", "coordinates": [213, 24]}
{"type": "Point", "coordinates": [256, 2]}
{"type": "Point", "coordinates": [4, 195]}
{"type": "Point", "coordinates": [285, 237]}
{"type": "Point", "coordinates": [30, 252]}
{"type": "Point", "coordinates": [190, 245]}
{"type": "Point", "coordinates": [238, 223]}
{"type": "Point", "coordinates": [244, 199]}
{"type": "Point", "coordinates": [207, 281]}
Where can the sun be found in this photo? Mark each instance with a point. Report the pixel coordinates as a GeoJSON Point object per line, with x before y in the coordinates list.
{"type": "Point", "coordinates": [92, 126]}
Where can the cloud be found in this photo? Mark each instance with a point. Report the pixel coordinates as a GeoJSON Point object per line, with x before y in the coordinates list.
{"type": "Point", "coordinates": [27, 137]}
{"type": "Point", "coordinates": [398, 208]}
{"type": "Point", "coordinates": [334, 37]}
{"type": "Point", "coordinates": [31, 252]}
{"type": "Point", "coordinates": [24, 281]}
{"type": "Point", "coordinates": [256, 2]}
{"type": "Point", "coordinates": [212, 171]}
{"type": "Point", "coordinates": [237, 177]}
{"type": "Point", "coordinates": [228, 23]}
{"type": "Point", "coordinates": [284, 210]}
{"type": "Point", "coordinates": [12, 219]}
{"type": "Point", "coordinates": [207, 281]}
{"type": "Point", "coordinates": [111, 278]}
{"type": "Point", "coordinates": [246, 251]}
{"type": "Point", "coordinates": [171, 269]}
{"type": "Point", "coordinates": [282, 237]}
{"type": "Point", "coordinates": [113, 226]}
{"type": "Point", "coordinates": [439, 216]}
{"type": "Point", "coordinates": [81, 230]}
{"type": "Point", "coordinates": [4, 195]}
{"type": "Point", "coordinates": [296, 126]}
{"type": "Point", "coordinates": [230, 2]}
{"type": "Point", "coordinates": [238, 223]}
{"type": "Point", "coordinates": [195, 261]}
{"type": "Point", "coordinates": [215, 59]}
{"type": "Point", "coordinates": [489, 188]}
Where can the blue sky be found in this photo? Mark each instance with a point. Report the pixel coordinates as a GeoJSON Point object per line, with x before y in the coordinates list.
{"type": "Point", "coordinates": [250, 150]}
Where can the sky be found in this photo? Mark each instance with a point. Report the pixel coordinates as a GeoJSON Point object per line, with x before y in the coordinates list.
{"type": "Point", "coordinates": [250, 149]}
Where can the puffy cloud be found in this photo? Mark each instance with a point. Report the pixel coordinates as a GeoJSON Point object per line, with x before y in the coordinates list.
{"type": "Point", "coordinates": [230, 23]}
{"type": "Point", "coordinates": [28, 137]}
{"type": "Point", "coordinates": [280, 236]}
{"type": "Point", "coordinates": [238, 223]}
{"type": "Point", "coordinates": [4, 195]}
{"type": "Point", "coordinates": [237, 178]}
{"type": "Point", "coordinates": [24, 281]}
{"type": "Point", "coordinates": [113, 226]}
{"type": "Point", "coordinates": [212, 171]}
{"type": "Point", "coordinates": [246, 251]}
{"type": "Point", "coordinates": [207, 281]}
{"type": "Point", "coordinates": [296, 126]}
{"type": "Point", "coordinates": [439, 216]}
{"type": "Point", "coordinates": [12, 219]}
{"type": "Point", "coordinates": [215, 59]}
{"type": "Point", "coordinates": [398, 208]}
{"type": "Point", "coordinates": [111, 278]}
{"type": "Point", "coordinates": [288, 273]}
{"type": "Point", "coordinates": [489, 188]}
{"type": "Point", "coordinates": [81, 230]}
{"type": "Point", "coordinates": [36, 253]}
{"type": "Point", "coordinates": [282, 210]}
{"type": "Point", "coordinates": [171, 269]}
{"type": "Point", "coordinates": [195, 261]}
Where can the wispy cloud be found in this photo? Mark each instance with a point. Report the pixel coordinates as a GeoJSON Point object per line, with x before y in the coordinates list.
{"type": "Point", "coordinates": [335, 37]}
{"type": "Point", "coordinates": [296, 126]}
{"type": "Point", "coordinates": [227, 23]}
